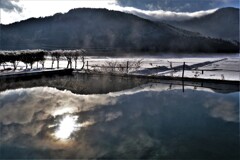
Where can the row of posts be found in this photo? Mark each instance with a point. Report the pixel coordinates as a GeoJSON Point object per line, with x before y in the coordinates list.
{"type": "Point", "coordinates": [127, 68]}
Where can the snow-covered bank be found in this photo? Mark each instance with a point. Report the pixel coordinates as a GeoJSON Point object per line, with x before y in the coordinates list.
{"type": "Point", "coordinates": [224, 68]}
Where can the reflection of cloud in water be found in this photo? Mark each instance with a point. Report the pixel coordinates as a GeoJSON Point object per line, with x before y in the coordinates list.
{"type": "Point", "coordinates": [139, 117]}
{"type": "Point", "coordinates": [220, 108]}
{"type": "Point", "coordinates": [21, 105]}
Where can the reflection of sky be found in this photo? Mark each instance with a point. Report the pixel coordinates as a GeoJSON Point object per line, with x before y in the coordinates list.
{"type": "Point", "coordinates": [134, 123]}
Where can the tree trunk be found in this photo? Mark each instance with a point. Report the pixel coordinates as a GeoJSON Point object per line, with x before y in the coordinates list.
{"type": "Point", "coordinates": [14, 66]}
{"type": "Point", "coordinates": [75, 64]}
{"type": "Point", "coordinates": [31, 65]}
{"type": "Point", "coordinates": [52, 63]}
{"type": "Point", "coordinates": [26, 65]}
{"type": "Point", "coordinates": [83, 63]}
{"type": "Point", "coordinates": [57, 64]}
{"type": "Point", "coordinates": [67, 64]}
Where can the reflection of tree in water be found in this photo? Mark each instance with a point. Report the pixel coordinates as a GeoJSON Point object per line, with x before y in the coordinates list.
{"type": "Point", "coordinates": [79, 83]}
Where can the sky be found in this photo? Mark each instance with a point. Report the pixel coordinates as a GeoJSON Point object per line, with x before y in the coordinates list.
{"type": "Point", "coordinates": [17, 10]}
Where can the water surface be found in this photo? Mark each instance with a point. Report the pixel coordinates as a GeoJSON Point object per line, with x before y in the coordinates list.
{"type": "Point", "coordinates": [147, 122]}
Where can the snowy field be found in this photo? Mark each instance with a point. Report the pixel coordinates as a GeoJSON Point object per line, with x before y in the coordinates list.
{"type": "Point", "coordinates": [227, 68]}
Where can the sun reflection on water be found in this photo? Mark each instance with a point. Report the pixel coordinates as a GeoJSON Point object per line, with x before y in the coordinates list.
{"type": "Point", "coordinates": [66, 127]}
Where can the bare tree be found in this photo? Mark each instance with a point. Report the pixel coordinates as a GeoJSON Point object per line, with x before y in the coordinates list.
{"type": "Point", "coordinates": [14, 59]}
{"type": "Point", "coordinates": [56, 55]}
{"type": "Point", "coordinates": [68, 55]}
{"type": "Point", "coordinates": [83, 62]}
{"type": "Point", "coordinates": [2, 59]}
{"type": "Point", "coordinates": [76, 54]}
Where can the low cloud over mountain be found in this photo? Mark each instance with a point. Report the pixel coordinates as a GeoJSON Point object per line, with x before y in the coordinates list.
{"type": "Point", "coordinates": [107, 32]}
{"type": "Point", "coordinates": [160, 15]}
{"type": "Point", "coordinates": [224, 24]}
{"type": "Point", "coordinates": [178, 5]}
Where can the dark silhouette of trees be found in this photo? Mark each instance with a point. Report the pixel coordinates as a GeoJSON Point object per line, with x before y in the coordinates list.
{"type": "Point", "coordinates": [2, 60]}
{"type": "Point", "coordinates": [56, 55]}
{"type": "Point", "coordinates": [29, 57]}
{"type": "Point", "coordinates": [32, 56]}
{"type": "Point", "coordinates": [68, 55]}
{"type": "Point", "coordinates": [76, 54]}
{"type": "Point", "coordinates": [10, 56]}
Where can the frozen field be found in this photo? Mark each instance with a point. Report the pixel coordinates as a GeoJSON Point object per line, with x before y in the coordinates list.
{"type": "Point", "coordinates": [227, 68]}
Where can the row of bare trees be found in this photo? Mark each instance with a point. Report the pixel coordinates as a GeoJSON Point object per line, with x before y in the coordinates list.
{"type": "Point", "coordinates": [29, 57]}
{"type": "Point", "coordinates": [69, 55]}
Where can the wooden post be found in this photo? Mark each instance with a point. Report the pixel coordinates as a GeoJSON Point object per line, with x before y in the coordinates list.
{"type": "Point", "coordinates": [183, 69]}
{"type": "Point", "coordinates": [127, 66]}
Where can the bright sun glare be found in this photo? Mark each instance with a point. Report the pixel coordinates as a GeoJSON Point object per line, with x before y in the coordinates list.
{"type": "Point", "coordinates": [66, 127]}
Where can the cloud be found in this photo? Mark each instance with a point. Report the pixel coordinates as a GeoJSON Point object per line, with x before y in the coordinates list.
{"type": "Point", "coordinates": [10, 6]}
{"type": "Point", "coordinates": [43, 8]}
{"type": "Point", "coordinates": [178, 5]}
{"type": "Point", "coordinates": [152, 10]}
{"type": "Point", "coordinates": [159, 15]}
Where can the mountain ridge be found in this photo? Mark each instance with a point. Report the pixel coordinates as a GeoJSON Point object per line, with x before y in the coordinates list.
{"type": "Point", "coordinates": [102, 30]}
{"type": "Point", "coordinates": [223, 24]}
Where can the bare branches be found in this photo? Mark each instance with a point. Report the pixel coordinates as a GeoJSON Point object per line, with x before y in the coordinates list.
{"type": "Point", "coordinates": [25, 56]}
{"type": "Point", "coordinates": [119, 67]}
{"type": "Point", "coordinates": [69, 55]}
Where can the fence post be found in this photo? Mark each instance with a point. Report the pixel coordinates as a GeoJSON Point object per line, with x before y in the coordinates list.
{"type": "Point", "coordinates": [127, 66]}
{"type": "Point", "coordinates": [183, 69]}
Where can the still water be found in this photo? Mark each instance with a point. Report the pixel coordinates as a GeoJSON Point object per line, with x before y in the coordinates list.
{"type": "Point", "coordinates": [152, 121]}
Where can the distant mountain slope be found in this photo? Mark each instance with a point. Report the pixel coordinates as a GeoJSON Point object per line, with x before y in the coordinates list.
{"type": "Point", "coordinates": [224, 23]}
{"type": "Point", "coordinates": [108, 32]}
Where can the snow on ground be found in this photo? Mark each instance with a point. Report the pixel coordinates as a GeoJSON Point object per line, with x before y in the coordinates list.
{"type": "Point", "coordinates": [227, 68]}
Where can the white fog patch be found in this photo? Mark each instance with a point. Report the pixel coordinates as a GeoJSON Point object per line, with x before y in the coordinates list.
{"type": "Point", "coordinates": [160, 15]}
